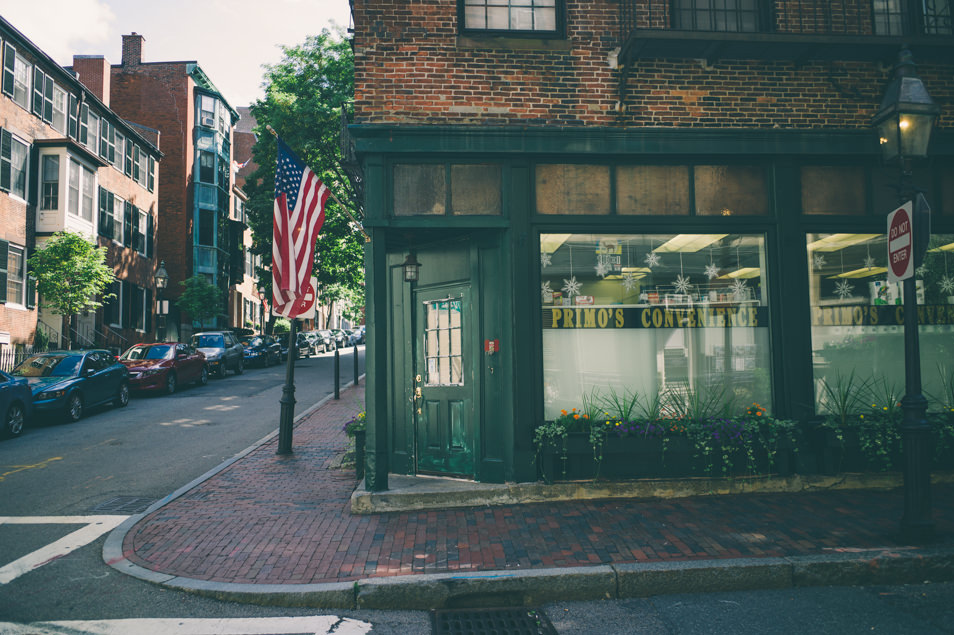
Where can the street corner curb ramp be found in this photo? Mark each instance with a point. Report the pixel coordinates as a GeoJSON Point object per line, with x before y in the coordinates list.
{"type": "Point", "coordinates": [604, 582]}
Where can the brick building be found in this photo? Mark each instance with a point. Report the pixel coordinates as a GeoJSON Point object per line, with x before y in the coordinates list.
{"type": "Point", "coordinates": [245, 303]}
{"type": "Point", "coordinates": [195, 121]}
{"type": "Point", "coordinates": [633, 196]}
{"type": "Point", "coordinates": [69, 162]}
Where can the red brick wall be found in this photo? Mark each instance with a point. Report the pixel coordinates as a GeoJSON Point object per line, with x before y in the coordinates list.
{"type": "Point", "coordinates": [411, 67]}
{"type": "Point", "coordinates": [160, 96]}
{"type": "Point", "coordinates": [93, 72]}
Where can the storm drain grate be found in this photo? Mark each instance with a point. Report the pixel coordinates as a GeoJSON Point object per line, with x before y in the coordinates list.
{"type": "Point", "coordinates": [502, 621]}
{"type": "Point", "coordinates": [124, 505]}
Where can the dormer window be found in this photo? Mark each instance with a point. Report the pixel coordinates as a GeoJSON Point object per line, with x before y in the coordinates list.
{"type": "Point", "coordinates": [512, 17]}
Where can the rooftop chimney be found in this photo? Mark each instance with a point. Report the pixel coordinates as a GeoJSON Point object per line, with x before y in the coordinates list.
{"type": "Point", "coordinates": [93, 72]}
{"type": "Point", "coordinates": [132, 49]}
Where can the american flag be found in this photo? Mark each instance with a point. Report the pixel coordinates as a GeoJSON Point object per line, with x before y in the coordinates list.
{"type": "Point", "coordinates": [299, 214]}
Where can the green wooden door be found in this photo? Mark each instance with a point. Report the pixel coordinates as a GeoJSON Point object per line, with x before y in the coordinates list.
{"type": "Point", "coordinates": [444, 380]}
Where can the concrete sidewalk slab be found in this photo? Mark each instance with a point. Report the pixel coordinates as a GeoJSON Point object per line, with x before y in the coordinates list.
{"type": "Point", "coordinates": [280, 530]}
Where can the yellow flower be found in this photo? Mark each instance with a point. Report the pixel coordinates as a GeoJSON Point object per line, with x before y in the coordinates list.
{"type": "Point", "coordinates": [617, 423]}
{"type": "Point", "coordinates": [885, 408]}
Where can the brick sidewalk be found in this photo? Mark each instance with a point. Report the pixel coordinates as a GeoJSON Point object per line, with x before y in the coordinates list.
{"type": "Point", "coordinates": [270, 519]}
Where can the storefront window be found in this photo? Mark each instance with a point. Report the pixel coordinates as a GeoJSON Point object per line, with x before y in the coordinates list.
{"type": "Point", "coordinates": [858, 318]}
{"type": "Point", "coordinates": [646, 314]}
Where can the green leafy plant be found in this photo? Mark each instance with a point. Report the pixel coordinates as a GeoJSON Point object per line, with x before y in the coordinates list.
{"type": "Point", "coordinates": [357, 423]}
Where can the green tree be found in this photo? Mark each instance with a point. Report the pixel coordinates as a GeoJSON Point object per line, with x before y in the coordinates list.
{"type": "Point", "coordinates": [71, 274]}
{"type": "Point", "coordinates": [306, 95]}
{"type": "Point", "coordinates": [201, 299]}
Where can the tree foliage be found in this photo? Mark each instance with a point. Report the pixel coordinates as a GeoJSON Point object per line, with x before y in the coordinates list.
{"type": "Point", "coordinates": [201, 299]}
{"type": "Point", "coordinates": [305, 94]}
{"type": "Point", "coordinates": [71, 274]}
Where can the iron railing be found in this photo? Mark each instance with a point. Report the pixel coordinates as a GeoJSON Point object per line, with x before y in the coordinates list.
{"type": "Point", "coordinates": [910, 18]}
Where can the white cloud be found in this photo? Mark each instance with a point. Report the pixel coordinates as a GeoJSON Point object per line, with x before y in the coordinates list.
{"type": "Point", "coordinates": [61, 27]}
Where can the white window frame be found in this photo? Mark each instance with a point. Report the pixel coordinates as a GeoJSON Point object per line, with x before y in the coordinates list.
{"type": "Point", "coordinates": [20, 300]}
{"type": "Point", "coordinates": [22, 70]}
{"type": "Point", "coordinates": [19, 170]}
{"type": "Point", "coordinates": [92, 133]}
{"type": "Point", "coordinates": [81, 194]}
{"type": "Point", "coordinates": [44, 181]}
{"type": "Point", "coordinates": [60, 101]}
{"type": "Point", "coordinates": [143, 226]}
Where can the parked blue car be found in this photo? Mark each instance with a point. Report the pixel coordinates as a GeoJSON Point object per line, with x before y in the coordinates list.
{"type": "Point", "coordinates": [16, 404]}
{"type": "Point", "coordinates": [70, 382]}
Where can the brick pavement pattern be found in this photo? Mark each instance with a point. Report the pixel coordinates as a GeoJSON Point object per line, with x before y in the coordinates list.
{"type": "Point", "coordinates": [270, 519]}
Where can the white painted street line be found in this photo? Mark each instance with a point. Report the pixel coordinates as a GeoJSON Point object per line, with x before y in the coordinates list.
{"type": "Point", "coordinates": [95, 527]}
{"type": "Point", "coordinates": [318, 624]}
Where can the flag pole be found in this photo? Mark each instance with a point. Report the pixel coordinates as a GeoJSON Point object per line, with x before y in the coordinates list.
{"type": "Point", "coordinates": [344, 207]}
{"type": "Point", "coordinates": [287, 417]}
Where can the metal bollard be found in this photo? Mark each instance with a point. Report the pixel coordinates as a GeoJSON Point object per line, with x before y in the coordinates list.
{"type": "Point", "coordinates": [337, 375]}
{"type": "Point", "coordinates": [355, 364]}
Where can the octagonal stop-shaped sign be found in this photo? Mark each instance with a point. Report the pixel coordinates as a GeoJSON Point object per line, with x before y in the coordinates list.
{"type": "Point", "coordinates": [901, 243]}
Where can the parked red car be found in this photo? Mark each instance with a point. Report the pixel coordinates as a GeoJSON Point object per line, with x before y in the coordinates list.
{"type": "Point", "coordinates": [164, 366]}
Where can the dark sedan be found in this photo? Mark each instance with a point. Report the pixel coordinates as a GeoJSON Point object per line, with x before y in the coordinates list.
{"type": "Point", "coordinates": [16, 404]}
{"type": "Point", "coordinates": [70, 382]}
{"type": "Point", "coordinates": [164, 366]}
{"type": "Point", "coordinates": [263, 350]}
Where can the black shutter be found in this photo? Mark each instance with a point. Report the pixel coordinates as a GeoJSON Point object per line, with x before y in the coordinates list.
{"type": "Point", "coordinates": [127, 167]}
{"type": "Point", "coordinates": [148, 309]}
{"type": "Point", "coordinates": [4, 255]}
{"type": "Point", "coordinates": [150, 235]}
{"type": "Point", "coordinates": [9, 68]}
{"type": "Point", "coordinates": [38, 92]}
{"type": "Point", "coordinates": [73, 128]}
{"type": "Point", "coordinates": [83, 124]}
{"type": "Point", "coordinates": [152, 174]}
{"type": "Point", "coordinates": [6, 161]}
{"type": "Point", "coordinates": [103, 218]}
{"type": "Point", "coordinates": [127, 224]}
{"type": "Point", "coordinates": [48, 99]}
{"type": "Point", "coordinates": [126, 303]}
{"type": "Point", "coordinates": [30, 292]}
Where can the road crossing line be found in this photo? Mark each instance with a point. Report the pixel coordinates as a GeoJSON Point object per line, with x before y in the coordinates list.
{"type": "Point", "coordinates": [94, 527]}
{"type": "Point", "coordinates": [317, 624]}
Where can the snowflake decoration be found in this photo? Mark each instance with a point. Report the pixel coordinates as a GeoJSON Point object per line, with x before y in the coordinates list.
{"type": "Point", "coordinates": [602, 268]}
{"type": "Point", "coordinates": [545, 290]}
{"type": "Point", "coordinates": [843, 289]}
{"type": "Point", "coordinates": [630, 281]}
{"type": "Point", "coordinates": [571, 287]}
{"type": "Point", "coordinates": [947, 284]}
{"type": "Point", "coordinates": [739, 290]}
{"type": "Point", "coordinates": [921, 271]}
{"type": "Point", "coordinates": [545, 259]}
{"type": "Point", "coordinates": [818, 261]}
{"type": "Point", "coordinates": [652, 259]}
{"type": "Point", "coordinates": [712, 271]}
{"type": "Point", "coordinates": [682, 284]}
{"type": "Point", "coordinates": [869, 263]}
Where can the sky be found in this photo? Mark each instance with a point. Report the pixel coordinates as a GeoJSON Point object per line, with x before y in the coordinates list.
{"type": "Point", "coordinates": [230, 39]}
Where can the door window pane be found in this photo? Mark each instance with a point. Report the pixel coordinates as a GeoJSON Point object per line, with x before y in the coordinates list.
{"type": "Point", "coordinates": [442, 342]}
{"type": "Point", "coordinates": [651, 314]}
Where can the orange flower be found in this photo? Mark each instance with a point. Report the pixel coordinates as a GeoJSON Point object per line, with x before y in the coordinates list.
{"type": "Point", "coordinates": [586, 416]}
{"type": "Point", "coordinates": [576, 416]}
{"type": "Point", "coordinates": [563, 412]}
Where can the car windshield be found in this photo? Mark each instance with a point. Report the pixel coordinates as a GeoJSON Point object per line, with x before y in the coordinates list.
{"type": "Point", "coordinates": [61, 365]}
{"type": "Point", "coordinates": [252, 341]}
{"type": "Point", "coordinates": [208, 340]}
{"type": "Point", "coordinates": [159, 351]}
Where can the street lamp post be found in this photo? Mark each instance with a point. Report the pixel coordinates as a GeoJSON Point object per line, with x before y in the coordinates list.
{"type": "Point", "coordinates": [161, 278]}
{"type": "Point", "coordinates": [904, 123]}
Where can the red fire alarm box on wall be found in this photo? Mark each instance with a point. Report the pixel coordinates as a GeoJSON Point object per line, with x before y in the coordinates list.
{"type": "Point", "coordinates": [491, 346]}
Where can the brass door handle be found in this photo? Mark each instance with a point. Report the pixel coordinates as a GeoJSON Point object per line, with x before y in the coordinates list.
{"type": "Point", "coordinates": [417, 392]}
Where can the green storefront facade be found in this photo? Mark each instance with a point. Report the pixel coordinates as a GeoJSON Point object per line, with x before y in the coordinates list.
{"type": "Point", "coordinates": [562, 262]}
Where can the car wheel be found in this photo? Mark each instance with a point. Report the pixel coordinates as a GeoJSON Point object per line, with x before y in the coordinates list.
{"type": "Point", "coordinates": [13, 420]}
{"type": "Point", "coordinates": [171, 383]}
{"type": "Point", "coordinates": [122, 397]}
{"type": "Point", "coordinates": [240, 368]}
{"type": "Point", "coordinates": [74, 407]}
{"type": "Point", "coordinates": [204, 376]}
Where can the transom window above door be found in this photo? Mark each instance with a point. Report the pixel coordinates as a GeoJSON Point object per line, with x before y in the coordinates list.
{"type": "Point", "coordinates": [511, 16]}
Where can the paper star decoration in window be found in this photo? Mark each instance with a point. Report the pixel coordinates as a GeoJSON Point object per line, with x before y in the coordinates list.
{"type": "Point", "coordinates": [712, 271]}
{"type": "Point", "coordinates": [652, 259]}
{"type": "Point", "coordinates": [921, 271]}
{"type": "Point", "coordinates": [545, 290]}
{"type": "Point", "coordinates": [571, 287]}
{"type": "Point", "coordinates": [947, 284]}
{"type": "Point", "coordinates": [545, 259]}
{"type": "Point", "coordinates": [682, 284]}
{"type": "Point", "coordinates": [630, 281]}
{"type": "Point", "coordinates": [843, 289]}
{"type": "Point", "coordinates": [739, 290]}
{"type": "Point", "coordinates": [869, 263]}
{"type": "Point", "coordinates": [602, 268]}
{"type": "Point", "coordinates": [818, 261]}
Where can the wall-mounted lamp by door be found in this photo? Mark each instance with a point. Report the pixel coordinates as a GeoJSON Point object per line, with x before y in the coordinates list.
{"type": "Point", "coordinates": [411, 268]}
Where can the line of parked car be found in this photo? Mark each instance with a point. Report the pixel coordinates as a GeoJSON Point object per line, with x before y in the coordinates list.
{"type": "Point", "coordinates": [69, 383]}
{"type": "Point", "coordinates": [327, 340]}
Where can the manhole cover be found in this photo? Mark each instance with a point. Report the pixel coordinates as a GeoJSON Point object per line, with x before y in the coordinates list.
{"type": "Point", "coordinates": [503, 621]}
{"type": "Point", "coordinates": [124, 505]}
